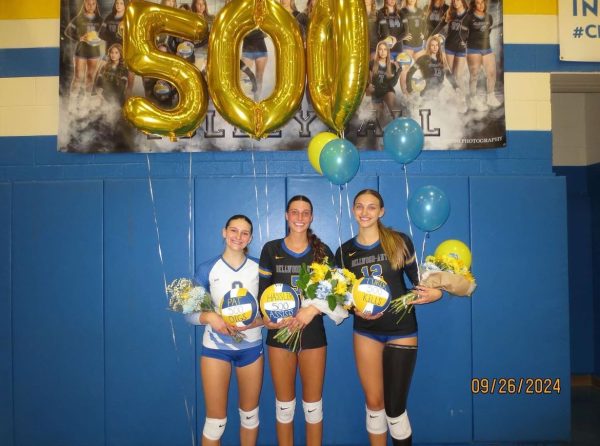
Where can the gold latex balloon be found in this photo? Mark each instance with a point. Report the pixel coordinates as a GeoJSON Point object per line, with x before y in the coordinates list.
{"type": "Point", "coordinates": [337, 59]}
{"type": "Point", "coordinates": [143, 22]}
{"type": "Point", "coordinates": [234, 21]}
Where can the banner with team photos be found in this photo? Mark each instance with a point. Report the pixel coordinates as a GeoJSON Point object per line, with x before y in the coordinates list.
{"type": "Point", "coordinates": [455, 91]}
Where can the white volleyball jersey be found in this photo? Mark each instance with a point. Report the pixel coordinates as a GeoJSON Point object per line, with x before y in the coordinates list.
{"type": "Point", "coordinates": [221, 280]}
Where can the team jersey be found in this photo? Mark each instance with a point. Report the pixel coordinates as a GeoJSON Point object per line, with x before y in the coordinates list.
{"type": "Point", "coordinates": [390, 24]}
{"type": "Point", "coordinates": [479, 31]}
{"type": "Point", "coordinates": [414, 24]}
{"type": "Point", "coordinates": [254, 42]}
{"type": "Point", "coordinates": [373, 31]}
{"type": "Point", "coordinates": [77, 28]}
{"type": "Point", "coordinates": [457, 33]}
{"type": "Point", "coordinates": [434, 73]}
{"type": "Point", "coordinates": [219, 278]}
{"type": "Point", "coordinates": [112, 79]}
{"type": "Point", "coordinates": [365, 261]}
{"type": "Point", "coordinates": [381, 83]}
{"type": "Point", "coordinates": [278, 264]}
{"type": "Point", "coordinates": [435, 19]}
{"type": "Point", "coordinates": [110, 31]}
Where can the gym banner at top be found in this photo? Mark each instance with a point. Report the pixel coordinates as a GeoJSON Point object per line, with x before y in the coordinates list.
{"type": "Point", "coordinates": [579, 30]}
{"type": "Point", "coordinates": [437, 61]}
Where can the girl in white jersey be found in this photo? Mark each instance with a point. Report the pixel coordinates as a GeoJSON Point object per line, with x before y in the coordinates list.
{"type": "Point", "coordinates": [222, 276]}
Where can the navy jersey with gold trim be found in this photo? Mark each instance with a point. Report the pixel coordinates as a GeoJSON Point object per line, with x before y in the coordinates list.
{"type": "Point", "coordinates": [370, 260]}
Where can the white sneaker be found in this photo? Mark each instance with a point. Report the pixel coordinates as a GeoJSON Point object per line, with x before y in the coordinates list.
{"type": "Point", "coordinates": [493, 101]}
{"type": "Point", "coordinates": [477, 104]}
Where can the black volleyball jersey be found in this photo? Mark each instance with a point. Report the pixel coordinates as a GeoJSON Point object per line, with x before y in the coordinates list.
{"type": "Point", "coordinates": [381, 83]}
{"type": "Point", "coordinates": [457, 34]}
{"type": "Point", "coordinates": [414, 24]}
{"type": "Point", "coordinates": [434, 18]}
{"type": "Point", "coordinates": [110, 30]}
{"type": "Point", "coordinates": [434, 72]}
{"type": "Point", "coordinates": [278, 264]}
{"type": "Point", "coordinates": [254, 42]}
{"type": "Point", "coordinates": [479, 31]}
{"type": "Point", "coordinates": [366, 261]}
{"type": "Point", "coordinates": [390, 24]}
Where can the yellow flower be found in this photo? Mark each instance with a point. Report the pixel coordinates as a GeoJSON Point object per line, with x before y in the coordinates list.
{"type": "Point", "coordinates": [469, 276]}
{"type": "Point", "coordinates": [340, 288]}
{"type": "Point", "coordinates": [349, 275]}
{"type": "Point", "coordinates": [318, 272]}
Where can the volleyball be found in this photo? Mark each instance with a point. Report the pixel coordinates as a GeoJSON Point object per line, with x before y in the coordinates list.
{"type": "Point", "coordinates": [371, 295]}
{"type": "Point", "coordinates": [417, 82]}
{"type": "Point", "coordinates": [185, 49]}
{"type": "Point", "coordinates": [162, 88]}
{"type": "Point", "coordinates": [404, 59]}
{"type": "Point", "coordinates": [239, 307]}
{"type": "Point", "coordinates": [279, 301]}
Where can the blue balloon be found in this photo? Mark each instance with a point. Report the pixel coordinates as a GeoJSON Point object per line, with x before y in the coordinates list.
{"type": "Point", "coordinates": [403, 139]}
{"type": "Point", "coordinates": [339, 161]}
{"type": "Point", "coordinates": [428, 208]}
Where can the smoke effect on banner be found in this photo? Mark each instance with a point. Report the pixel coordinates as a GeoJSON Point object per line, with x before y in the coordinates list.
{"type": "Point", "coordinates": [460, 111]}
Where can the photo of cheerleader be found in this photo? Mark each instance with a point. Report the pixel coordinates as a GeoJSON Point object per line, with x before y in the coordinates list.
{"type": "Point", "coordinates": [201, 48]}
{"type": "Point", "coordinates": [383, 76]}
{"type": "Point", "coordinates": [112, 78]}
{"type": "Point", "coordinates": [455, 46]}
{"type": "Point", "coordinates": [385, 349]}
{"type": "Point", "coordinates": [435, 14]}
{"type": "Point", "coordinates": [110, 30]}
{"type": "Point", "coordinates": [391, 28]}
{"type": "Point", "coordinates": [220, 352]}
{"type": "Point", "coordinates": [280, 262]}
{"type": "Point", "coordinates": [480, 54]}
{"type": "Point", "coordinates": [84, 29]}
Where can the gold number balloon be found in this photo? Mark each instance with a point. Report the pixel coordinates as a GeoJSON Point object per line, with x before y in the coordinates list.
{"type": "Point", "coordinates": [233, 22]}
{"type": "Point", "coordinates": [338, 59]}
{"type": "Point", "coordinates": [143, 22]}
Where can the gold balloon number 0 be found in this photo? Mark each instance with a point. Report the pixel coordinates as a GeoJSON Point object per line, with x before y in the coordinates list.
{"type": "Point", "coordinates": [337, 49]}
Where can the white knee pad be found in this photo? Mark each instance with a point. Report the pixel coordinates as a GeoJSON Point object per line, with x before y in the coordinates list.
{"type": "Point", "coordinates": [313, 412]}
{"type": "Point", "coordinates": [284, 410]}
{"type": "Point", "coordinates": [400, 426]}
{"type": "Point", "coordinates": [214, 428]}
{"type": "Point", "coordinates": [376, 421]}
{"type": "Point", "coordinates": [249, 419]}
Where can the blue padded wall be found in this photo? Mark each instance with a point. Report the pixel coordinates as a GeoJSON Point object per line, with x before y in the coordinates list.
{"type": "Point", "coordinates": [440, 394]}
{"type": "Point", "coordinates": [6, 395]}
{"type": "Point", "coordinates": [520, 315]}
{"type": "Point", "coordinates": [58, 363]}
{"type": "Point", "coordinates": [149, 370]}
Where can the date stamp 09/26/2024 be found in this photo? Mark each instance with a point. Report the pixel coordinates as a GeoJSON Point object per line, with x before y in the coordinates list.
{"type": "Point", "coordinates": [515, 386]}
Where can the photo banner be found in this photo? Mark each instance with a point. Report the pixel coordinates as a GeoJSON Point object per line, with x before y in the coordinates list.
{"type": "Point", "coordinates": [579, 30]}
{"type": "Point", "coordinates": [445, 70]}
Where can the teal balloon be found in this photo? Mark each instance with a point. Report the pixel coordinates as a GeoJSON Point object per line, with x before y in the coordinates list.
{"type": "Point", "coordinates": [403, 139]}
{"type": "Point", "coordinates": [339, 161]}
{"type": "Point", "coordinates": [429, 208]}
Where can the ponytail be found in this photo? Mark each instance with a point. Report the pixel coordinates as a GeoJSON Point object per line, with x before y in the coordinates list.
{"type": "Point", "coordinates": [394, 247]}
{"type": "Point", "coordinates": [318, 247]}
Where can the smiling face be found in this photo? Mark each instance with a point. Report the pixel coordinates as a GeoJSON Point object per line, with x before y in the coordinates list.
{"type": "Point", "coordinates": [114, 54]}
{"type": "Point", "coordinates": [200, 7]}
{"type": "Point", "coordinates": [480, 6]}
{"type": "Point", "coordinates": [382, 51]}
{"type": "Point", "coordinates": [367, 210]}
{"type": "Point", "coordinates": [237, 234]}
{"type": "Point", "coordinates": [299, 216]}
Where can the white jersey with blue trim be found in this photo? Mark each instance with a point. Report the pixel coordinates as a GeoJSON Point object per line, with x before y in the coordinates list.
{"type": "Point", "coordinates": [219, 278]}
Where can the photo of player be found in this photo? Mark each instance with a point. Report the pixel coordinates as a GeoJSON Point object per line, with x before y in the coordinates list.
{"type": "Point", "coordinates": [383, 76]}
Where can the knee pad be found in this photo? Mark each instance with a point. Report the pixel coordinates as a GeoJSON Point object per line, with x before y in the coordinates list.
{"type": "Point", "coordinates": [399, 426]}
{"type": "Point", "coordinates": [313, 412]}
{"type": "Point", "coordinates": [214, 428]}
{"type": "Point", "coordinates": [284, 411]}
{"type": "Point", "coordinates": [249, 420]}
{"type": "Point", "coordinates": [376, 421]}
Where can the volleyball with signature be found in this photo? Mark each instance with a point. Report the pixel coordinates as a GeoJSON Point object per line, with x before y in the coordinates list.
{"type": "Point", "coordinates": [279, 301]}
{"type": "Point", "coordinates": [371, 295]}
{"type": "Point", "coordinates": [239, 307]}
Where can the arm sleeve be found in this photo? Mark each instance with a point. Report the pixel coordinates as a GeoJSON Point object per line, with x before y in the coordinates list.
{"type": "Point", "coordinates": [201, 276]}
{"type": "Point", "coordinates": [383, 30]}
{"type": "Point", "coordinates": [71, 30]}
{"type": "Point", "coordinates": [410, 267]}
{"type": "Point", "coordinates": [394, 79]}
{"type": "Point", "coordinates": [265, 271]}
{"type": "Point", "coordinates": [193, 318]}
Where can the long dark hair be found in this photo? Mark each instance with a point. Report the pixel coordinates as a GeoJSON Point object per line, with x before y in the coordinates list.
{"type": "Point", "coordinates": [315, 242]}
{"type": "Point", "coordinates": [240, 217]}
{"type": "Point", "coordinates": [392, 242]}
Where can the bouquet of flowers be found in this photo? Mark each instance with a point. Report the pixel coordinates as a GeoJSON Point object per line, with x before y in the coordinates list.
{"type": "Point", "coordinates": [326, 288]}
{"type": "Point", "coordinates": [444, 272]}
{"type": "Point", "coordinates": [186, 298]}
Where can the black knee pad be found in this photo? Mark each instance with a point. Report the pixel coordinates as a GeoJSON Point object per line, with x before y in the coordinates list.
{"type": "Point", "coordinates": [398, 365]}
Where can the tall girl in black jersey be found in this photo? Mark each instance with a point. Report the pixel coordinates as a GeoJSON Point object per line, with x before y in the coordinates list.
{"type": "Point", "coordinates": [372, 25]}
{"type": "Point", "coordinates": [413, 20]}
{"type": "Point", "coordinates": [390, 27]}
{"type": "Point", "coordinates": [112, 78]}
{"type": "Point", "coordinates": [455, 46]}
{"type": "Point", "coordinates": [385, 349]}
{"type": "Point", "coordinates": [280, 262]}
{"type": "Point", "coordinates": [384, 75]}
{"type": "Point", "coordinates": [109, 31]}
{"type": "Point", "coordinates": [84, 29]}
{"type": "Point", "coordinates": [479, 52]}
{"type": "Point", "coordinates": [434, 16]}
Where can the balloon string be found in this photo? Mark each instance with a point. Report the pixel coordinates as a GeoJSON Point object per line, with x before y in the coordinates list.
{"type": "Point", "coordinates": [256, 192]}
{"type": "Point", "coordinates": [425, 237]}
{"type": "Point", "coordinates": [337, 218]}
{"type": "Point", "coordinates": [267, 196]}
{"type": "Point", "coordinates": [162, 266]}
{"type": "Point", "coordinates": [349, 212]}
{"type": "Point", "coordinates": [410, 230]}
{"type": "Point", "coordinates": [190, 215]}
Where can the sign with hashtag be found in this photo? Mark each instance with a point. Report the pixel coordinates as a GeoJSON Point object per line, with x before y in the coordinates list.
{"type": "Point", "coordinates": [579, 30]}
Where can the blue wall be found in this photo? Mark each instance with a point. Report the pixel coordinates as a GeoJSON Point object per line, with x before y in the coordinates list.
{"type": "Point", "coordinates": [85, 336]}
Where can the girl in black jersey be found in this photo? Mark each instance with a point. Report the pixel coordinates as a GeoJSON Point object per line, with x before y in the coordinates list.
{"type": "Point", "coordinates": [413, 20]}
{"type": "Point", "coordinates": [372, 25]}
{"type": "Point", "coordinates": [201, 48]}
{"type": "Point", "coordinates": [455, 46]}
{"type": "Point", "coordinates": [112, 78]}
{"type": "Point", "coordinates": [385, 349]}
{"type": "Point", "coordinates": [84, 30]}
{"type": "Point", "coordinates": [479, 23]}
{"type": "Point", "coordinates": [280, 262]}
{"type": "Point", "coordinates": [390, 27]}
{"type": "Point", "coordinates": [110, 30]}
{"type": "Point", "coordinates": [434, 16]}
{"type": "Point", "coordinates": [384, 75]}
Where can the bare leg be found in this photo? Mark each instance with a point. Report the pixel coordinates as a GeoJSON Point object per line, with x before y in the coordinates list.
{"type": "Point", "coordinates": [249, 384]}
{"type": "Point", "coordinates": [283, 372]}
{"type": "Point", "coordinates": [79, 65]}
{"type": "Point", "coordinates": [312, 374]}
{"type": "Point", "coordinates": [215, 384]}
{"type": "Point", "coordinates": [260, 64]}
{"type": "Point", "coordinates": [90, 75]}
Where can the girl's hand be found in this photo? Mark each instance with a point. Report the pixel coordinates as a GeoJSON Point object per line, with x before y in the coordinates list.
{"type": "Point", "coordinates": [258, 322]}
{"type": "Point", "coordinates": [369, 317]}
{"type": "Point", "coordinates": [303, 317]}
{"type": "Point", "coordinates": [216, 322]}
{"type": "Point", "coordinates": [408, 37]}
{"type": "Point", "coordinates": [275, 326]}
{"type": "Point", "coordinates": [426, 295]}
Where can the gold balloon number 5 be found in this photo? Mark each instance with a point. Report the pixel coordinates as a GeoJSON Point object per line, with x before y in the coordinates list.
{"type": "Point", "coordinates": [144, 21]}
